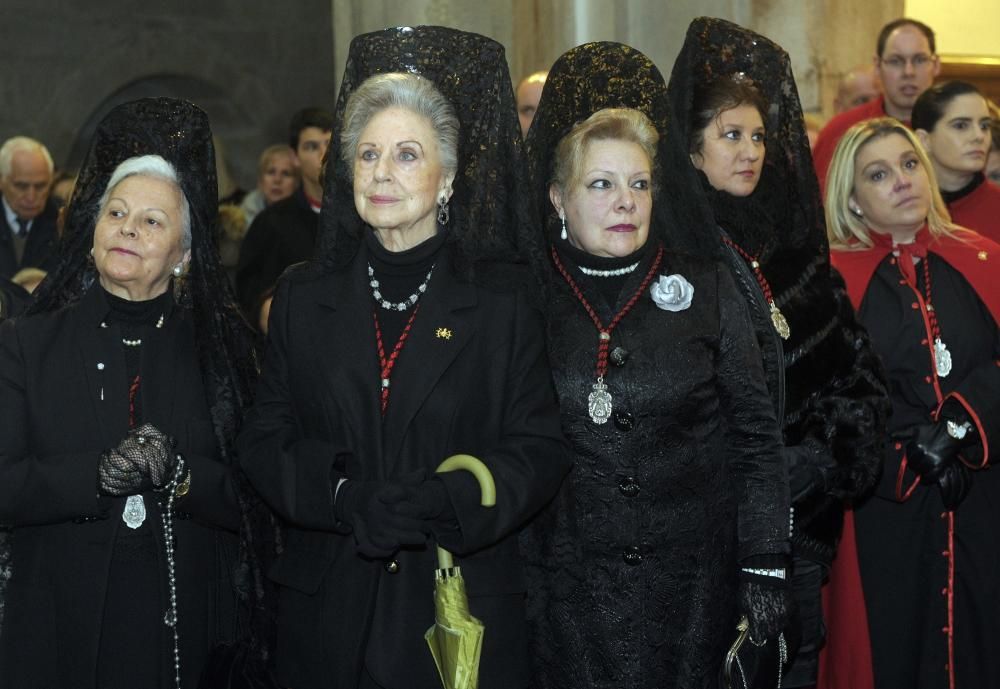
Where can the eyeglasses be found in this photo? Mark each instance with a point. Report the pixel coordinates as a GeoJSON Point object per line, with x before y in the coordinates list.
{"type": "Point", "coordinates": [899, 62]}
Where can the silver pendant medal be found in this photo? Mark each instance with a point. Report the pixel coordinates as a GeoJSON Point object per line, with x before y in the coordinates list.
{"type": "Point", "coordinates": [599, 402]}
{"type": "Point", "coordinates": [134, 513]}
{"type": "Point", "coordinates": [942, 358]}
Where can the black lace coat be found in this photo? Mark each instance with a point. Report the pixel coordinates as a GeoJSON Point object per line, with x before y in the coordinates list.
{"type": "Point", "coordinates": [633, 568]}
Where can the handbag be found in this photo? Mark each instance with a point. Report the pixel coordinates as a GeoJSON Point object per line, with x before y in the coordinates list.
{"type": "Point", "coordinates": [749, 665]}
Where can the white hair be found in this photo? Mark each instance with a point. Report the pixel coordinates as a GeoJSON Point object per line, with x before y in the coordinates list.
{"type": "Point", "coordinates": [22, 144]}
{"type": "Point", "coordinates": [150, 166]}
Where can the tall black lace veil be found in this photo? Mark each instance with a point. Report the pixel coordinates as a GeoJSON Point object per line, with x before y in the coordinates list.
{"type": "Point", "coordinates": [180, 133]}
{"type": "Point", "coordinates": [586, 79]}
{"type": "Point", "coordinates": [717, 49]}
{"type": "Point", "coordinates": [471, 72]}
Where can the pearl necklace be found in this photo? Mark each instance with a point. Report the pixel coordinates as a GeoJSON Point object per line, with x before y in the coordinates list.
{"type": "Point", "coordinates": [401, 305]}
{"type": "Point", "coordinates": [594, 272]}
{"type": "Point", "coordinates": [138, 341]}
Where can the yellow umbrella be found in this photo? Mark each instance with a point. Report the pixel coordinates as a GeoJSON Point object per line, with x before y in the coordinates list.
{"type": "Point", "coordinates": [456, 637]}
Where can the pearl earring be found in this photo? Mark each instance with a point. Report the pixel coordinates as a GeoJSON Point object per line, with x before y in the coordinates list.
{"type": "Point", "coordinates": [563, 235]}
{"type": "Point", "coordinates": [178, 269]}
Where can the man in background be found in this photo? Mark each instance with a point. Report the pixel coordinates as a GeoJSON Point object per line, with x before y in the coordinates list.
{"type": "Point", "coordinates": [285, 232]}
{"type": "Point", "coordinates": [528, 93]}
{"type": "Point", "coordinates": [28, 221]}
{"type": "Point", "coordinates": [906, 64]}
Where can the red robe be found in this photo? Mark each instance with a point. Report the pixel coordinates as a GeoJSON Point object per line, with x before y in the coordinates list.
{"type": "Point", "coordinates": [829, 136]}
{"type": "Point", "coordinates": [979, 210]}
{"type": "Point", "coordinates": [845, 662]}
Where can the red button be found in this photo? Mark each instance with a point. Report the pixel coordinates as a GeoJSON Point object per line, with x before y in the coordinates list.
{"type": "Point", "coordinates": [915, 305]}
{"type": "Point", "coordinates": [899, 446]}
{"type": "Point", "coordinates": [892, 261]}
{"type": "Point", "coordinates": [902, 282]}
{"type": "Point", "coordinates": [927, 379]}
{"type": "Point", "coordinates": [923, 341]}
{"type": "Point", "coordinates": [944, 592]}
{"type": "Point", "coordinates": [945, 553]}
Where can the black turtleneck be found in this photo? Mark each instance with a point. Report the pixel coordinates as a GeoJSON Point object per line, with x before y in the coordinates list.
{"type": "Point", "coordinates": [610, 286]}
{"type": "Point", "coordinates": [137, 320]}
{"type": "Point", "coordinates": [951, 197]}
{"type": "Point", "coordinates": [399, 274]}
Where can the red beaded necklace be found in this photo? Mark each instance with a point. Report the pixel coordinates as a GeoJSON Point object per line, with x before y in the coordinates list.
{"type": "Point", "coordinates": [599, 400]}
{"type": "Point", "coordinates": [386, 365]}
{"type": "Point", "coordinates": [942, 357]}
{"type": "Point", "coordinates": [777, 318]}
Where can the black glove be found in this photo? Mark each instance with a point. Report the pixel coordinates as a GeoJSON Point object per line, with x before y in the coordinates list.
{"type": "Point", "coordinates": [931, 450]}
{"type": "Point", "coordinates": [430, 502]}
{"type": "Point", "coordinates": [809, 470]}
{"type": "Point", "coordinates": [767, 606]}
{"type": "Point", "coordinates": [379, 531]}
{"type": "Point", "coordinates": [954, 484]}
{"type": "Point", "coordinates": [143, 460]}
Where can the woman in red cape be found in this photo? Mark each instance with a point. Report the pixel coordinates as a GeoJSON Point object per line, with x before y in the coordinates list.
{"type": "Point", "coordinates": [922, 287]}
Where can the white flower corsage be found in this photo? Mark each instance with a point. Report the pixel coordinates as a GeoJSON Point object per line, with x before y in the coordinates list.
{"type": "Point", "coordinates": [672, 292]}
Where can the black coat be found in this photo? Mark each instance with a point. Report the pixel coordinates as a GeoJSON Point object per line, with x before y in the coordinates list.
{"type": "Point", "coordinates": [39, 250]}
{"type": "Point", "coordinates": [54, 370]}
{"type": "Point", "coordinates": [473, 378]}
{"type": "Point", "coordinates": [634, 566]}
{"type": "Point", "coordinates": [282, 234]}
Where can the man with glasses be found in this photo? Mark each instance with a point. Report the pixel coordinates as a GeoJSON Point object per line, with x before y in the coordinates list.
{"type": "Point", "coordinates": [906, 64]}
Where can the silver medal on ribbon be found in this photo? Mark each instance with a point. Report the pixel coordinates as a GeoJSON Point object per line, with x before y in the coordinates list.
{"type": "Point", "coordinates": [942, 358]}
{"type": "Point", "coordinates": [134, 513]}
{"type": "Point", "coordinates": [599, 402]}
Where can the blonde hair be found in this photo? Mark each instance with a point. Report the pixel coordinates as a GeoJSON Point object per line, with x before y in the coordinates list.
{"type": "Point", "coordinates": [624, 124]}
{"type": "Point", "coordinates": [846, 230]}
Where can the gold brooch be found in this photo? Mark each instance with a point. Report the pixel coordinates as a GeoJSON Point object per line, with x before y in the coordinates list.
{"type": "Point", "coordinates": [443, 333]}
{"type": "Point", "coordinates": [982, 255]}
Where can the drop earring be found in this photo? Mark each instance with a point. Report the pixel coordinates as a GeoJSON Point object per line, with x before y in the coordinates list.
{"type": "Point", "coordinates": [563, 235]}
{"type": "Point", "coordinates": [444, 214]}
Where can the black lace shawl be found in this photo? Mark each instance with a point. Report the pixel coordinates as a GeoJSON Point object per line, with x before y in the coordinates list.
{"type": "Point", "coordinates": [583, 80]}
{"type": "Point", "coordinates": [485, 230]}
{"type": "Point", "coordinates": [179, 132]}
{"type": "Point", "coordinates": [834, 386]}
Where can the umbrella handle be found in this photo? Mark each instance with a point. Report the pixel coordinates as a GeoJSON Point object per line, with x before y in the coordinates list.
{"type": "Point", "coordinates": [487, 488]}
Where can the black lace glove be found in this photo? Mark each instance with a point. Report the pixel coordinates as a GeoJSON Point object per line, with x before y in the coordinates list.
{"type": "Point", "coordinates": [379, 531]}
{"type": "Point", "coordinates": [954, 484]}
{"type": "Point", "coordinates": [809, 470]}
{"type": "Point", "coordinates": [766, 604]}
{"type": "Point", "coordinates": [143, 460]}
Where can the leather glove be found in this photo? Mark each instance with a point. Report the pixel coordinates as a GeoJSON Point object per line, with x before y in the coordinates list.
{"type": "Point", "coordinates": [930, 450]}
{"type": "Point", "coordinates": [379, 531]}
{"type": "Point", "coordinates": [954, 484]}
{"type": "Point", "coordinates": [809, 470]}
{"type": "Point", "coordinates": [767, 606]}
{"type": "Point", "coordinates": [143, 460]}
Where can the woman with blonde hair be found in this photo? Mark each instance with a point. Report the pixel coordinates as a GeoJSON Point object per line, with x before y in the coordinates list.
{"type": "Point", "coordinates": [922, 287]}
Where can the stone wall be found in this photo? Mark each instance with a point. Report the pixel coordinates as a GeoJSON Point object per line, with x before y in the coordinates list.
{"type": "Point", "coordinates": [248, 63]}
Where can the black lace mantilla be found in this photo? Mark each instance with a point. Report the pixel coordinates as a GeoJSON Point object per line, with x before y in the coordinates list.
{"type": "Point", "coordinates": [179, 132]}
{"type": "Point", "coordinates": [470, 71]}
{"type": "Point", "coordinates": [834, 390]}
{"type": "Point", "coordinates": [582, 81]}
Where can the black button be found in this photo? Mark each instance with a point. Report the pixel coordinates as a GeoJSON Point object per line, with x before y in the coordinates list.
{"type": "Point", "coordinates": [619, 355]}
{"type": "Point", "coordinates": [629, 487]}
{"type": "Point", "coordinates": [632, 556]}
{"type": "Point", "coordinates": [392, 566]}
{"type": "Point", "coordinates": [624, 420]}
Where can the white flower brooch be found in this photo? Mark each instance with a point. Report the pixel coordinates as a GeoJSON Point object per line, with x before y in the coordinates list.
{"type": "Point", "coordinates": [672, 292]}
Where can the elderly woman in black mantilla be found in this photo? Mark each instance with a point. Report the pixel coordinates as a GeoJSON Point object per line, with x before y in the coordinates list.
{"type": "Point", "coordinates": [739, 171]}
{"type": "Point", "coordinates": [678, 499]}
{"type": "Point", "coordinates": [121, 390]}
{"type": "Point", "coordinates": [407, 341]}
